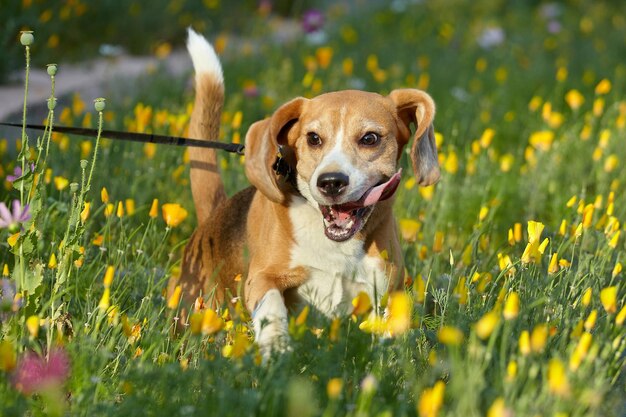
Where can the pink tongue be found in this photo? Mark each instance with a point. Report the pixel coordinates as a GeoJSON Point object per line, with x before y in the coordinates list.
{"type": "Point", "coordinates": [379, 193]}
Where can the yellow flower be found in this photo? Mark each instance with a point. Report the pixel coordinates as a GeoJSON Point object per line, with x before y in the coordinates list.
{"type": "Point", "coordinates": [452, 162]}
{"type": "Point", "coordinates": [108, 209]}
{"type": "Point", "coordinates": [608, 297]}
{"type": "Point", "coordinates": [574, 99]}
{"type": "Point", "coordinates": [32, 324]}
{"type": "Point", "coordinates": [104, 195]}
{"type": "Point", "coordinates": [541, 140]}
{"type": "Point", "coordinates": [511, 371]}
{"type": "Point", "coordinates": [553, 267]}
{"type": "Point", "coordinates": [557, 379]}
{"type": "Point", "coordinates": [586, 299]}
{"type": "Point", "coordinates": [427, 192]}
{"type": "Point", "coordinates": [450, 336]}
{"type": "Point", "coordinates": [238, 348]}
{"type": "Point", "coordinates": [524, 343]}
{"type": "Point", "coordinates": [105, 301]}
{"type": "Point", "coordinates": [538, 338]}
{"type": "Point", "coordinates": [621, 316]}
{"type": "Point", "coordinates": [460, 290]}
{"type": "Point", "coordinates": [482, 214]}
{"type": "Point", "coordinates": [172, 302]}
{"type": "Point", "coordinates": [61, 183]}
{"type": "Point", "coordinates": [154, 209]}
{"type": "Point", "coordinates": [409, 229]}
{"type": "Point", "coordinates": [400, 311]}
{"type": "Point", "coordinates": [511, 306]}
{"type": "Point", "coordinates": [52, 263]}
{"type": "Point", "coordinates": [334, 387]}
{"type": "Point", "coordinates": [603, 87]}
{"type": "Point", "coordinates": [581, 350]}
{"type": "Point", "coordinates": [361, 304]}
{"type": "Point", "coordinates": [590, 322]}
{"type": "Point", "coordinates": [420, 289]}
{"type": "Point", "coordinates": [487, 323]}
{"type": "Point", "coordinates": [506, 162]}
{"type": "Point", "coordinates": [211, 322]}
{"type": "Point", "coordinates": [173, 214]}
{"type": "Point", "coordinates": [486, 138]}
{"type": "Point", "coordinates": [616, 270]}
{"type": "Point", "coordinates": [120, 210]}
{"type": "Point", "coordinates": [611, 162]}
{"type": "Point", "coordinates": [588, 216]}
{"type": "Point", "coordinates": [324, 55]}
{"type": "Point", "coordinates": [237, 119]}
{"type": "Point", "coordinates": [149, 150]}
{"type": "Point", "coordinates": [598, 107]}
{"type": "Point", "coordinates": [84, 214]}
{"type": "Point", "coordinates": [614, 240]}
{"type": "Point", "coordinates": [438, 242]}
{"type": "Point", "coordinates": [431, 400]}
{"type": "Point", "coordinates": [98, 240]}
{"type": "Point", "coordinates": [130, 206]}
{"type": "Point", "coordinates": [534, 249]}
{"type": "Point", "coordinates": [498, 409]}
{"type": "Point", "coordinates": [8, 358]}
{"type": "Point", "coordinates": [108, 276]}
{"type": "Point", "coordinates": [5, 270]}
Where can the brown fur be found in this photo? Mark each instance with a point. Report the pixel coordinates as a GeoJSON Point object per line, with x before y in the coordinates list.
{"type": "Point", "coordinates": [256, 221]}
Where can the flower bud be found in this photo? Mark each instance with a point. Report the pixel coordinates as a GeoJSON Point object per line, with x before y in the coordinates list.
{"type": "Point", "coordinates": [83, 163]}
{"type": "Point", "coordinates": [74, 187]}
{"type": "Point", "coordinates": [52, 69]}
{"type": "Point", "coordinates": [99, 104]}
{"type": "Point", "coordinates": [27, 38]}
{"type": "Point", "coordinates": [52, 103]}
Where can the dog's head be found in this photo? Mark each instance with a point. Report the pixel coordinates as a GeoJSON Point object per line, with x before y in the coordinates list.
{"type": "Point", "coordinates": [345, 148]}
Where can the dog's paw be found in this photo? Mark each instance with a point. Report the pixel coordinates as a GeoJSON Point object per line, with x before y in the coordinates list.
{"type": "Point", "coordinates": [270, 324]}
{"type": "Point", "coordinates": [273, 338]}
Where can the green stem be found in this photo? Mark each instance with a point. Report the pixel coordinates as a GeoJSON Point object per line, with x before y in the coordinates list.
{"type": "Point", "coordinates": [24, 137]}
{"type": "Point", "coordinates": [95, 151]}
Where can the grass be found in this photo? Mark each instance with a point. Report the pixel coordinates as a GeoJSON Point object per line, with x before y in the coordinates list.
{"type": "Point", "coordinates": [516, 146]}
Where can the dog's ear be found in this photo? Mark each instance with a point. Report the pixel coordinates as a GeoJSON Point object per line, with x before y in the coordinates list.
{"type": "Point", "coordinates": [417, 107]}
{"type": "Point", "coordinates": [262, 143]}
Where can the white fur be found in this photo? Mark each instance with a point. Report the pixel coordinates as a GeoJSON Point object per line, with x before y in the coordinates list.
{"type": "Point", "coordinates": [203, 55]}
{"type": "Point", "coordinates": [336, 159]}
{"type": "Point", "coordinates": [269, 320]}
{"type": "Point", "coordinates": [338, 270]}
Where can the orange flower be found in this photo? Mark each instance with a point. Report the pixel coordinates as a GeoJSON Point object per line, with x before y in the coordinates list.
{"type": "Point", "coordinates": [173, 214]}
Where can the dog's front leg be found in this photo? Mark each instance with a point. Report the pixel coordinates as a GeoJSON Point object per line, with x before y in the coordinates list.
{"type": "Point", "coordinates": [269, 314]}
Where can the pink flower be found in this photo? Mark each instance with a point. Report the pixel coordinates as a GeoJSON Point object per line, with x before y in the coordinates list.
{"type": "Point", "coordinates": [12, 220]}
{"type": "Point", "coordinates": [35, 374]}
{"type": "Point", "coordinates": [312, 21]}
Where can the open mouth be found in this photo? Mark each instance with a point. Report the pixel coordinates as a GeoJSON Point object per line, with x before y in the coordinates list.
{"type": "Point", "coordinates": [342, 221]}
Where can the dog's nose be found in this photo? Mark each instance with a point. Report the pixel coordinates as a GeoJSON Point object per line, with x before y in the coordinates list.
{"type": "Point", "coordinates": [332, 184]}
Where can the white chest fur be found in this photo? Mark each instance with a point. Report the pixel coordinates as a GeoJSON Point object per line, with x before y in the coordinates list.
{"type": "Point", "coordinates": [338, 270]}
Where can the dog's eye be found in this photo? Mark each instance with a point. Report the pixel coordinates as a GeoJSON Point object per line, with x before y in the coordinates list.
{"type": "Point", "coordinates": [369, 139]}
{"type": "Point", "coordinates": [313, 139]}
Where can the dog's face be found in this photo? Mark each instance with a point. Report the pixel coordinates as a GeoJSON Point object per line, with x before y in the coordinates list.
{"type": "Point", "coordinates": [344, 147]}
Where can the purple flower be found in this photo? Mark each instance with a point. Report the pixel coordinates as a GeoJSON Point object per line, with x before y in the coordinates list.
{"type": "Point", "coordinates": [8, 300]}
{"type": "Point", "coordinates": [312, 21]}
{"type": "Point", "coordinates": [17, 172]}
{"type": "Point", "coordinates": [491, 37]}
{"type": "Point", "coordinates": [35, 374]}
{"type": "Point", "coordinates": [12, 220]}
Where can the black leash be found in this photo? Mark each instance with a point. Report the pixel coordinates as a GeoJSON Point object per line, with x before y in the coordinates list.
{"type": "Point", "coordinates": [281, 167]}
{"type": "Point", "coordinates": [138, 137]}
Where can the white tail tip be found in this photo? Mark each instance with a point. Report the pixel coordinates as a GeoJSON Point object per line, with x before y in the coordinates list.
{"type": "Point", "coordinates": [203, 55]}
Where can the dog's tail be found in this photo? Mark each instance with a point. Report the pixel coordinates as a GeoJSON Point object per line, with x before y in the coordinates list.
{"type": "Point", "coordinates": [206, 183]}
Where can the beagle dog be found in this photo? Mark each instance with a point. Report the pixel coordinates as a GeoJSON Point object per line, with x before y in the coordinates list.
{"type": "Point", "coordinates": [317, 222]}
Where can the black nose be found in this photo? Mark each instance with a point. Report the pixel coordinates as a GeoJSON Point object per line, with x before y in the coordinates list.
{"type": "Point", "coordinates": [333, 183]}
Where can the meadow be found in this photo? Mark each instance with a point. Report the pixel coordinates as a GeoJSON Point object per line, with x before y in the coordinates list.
{"type": "Point", "coordinates": [514, 301]}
